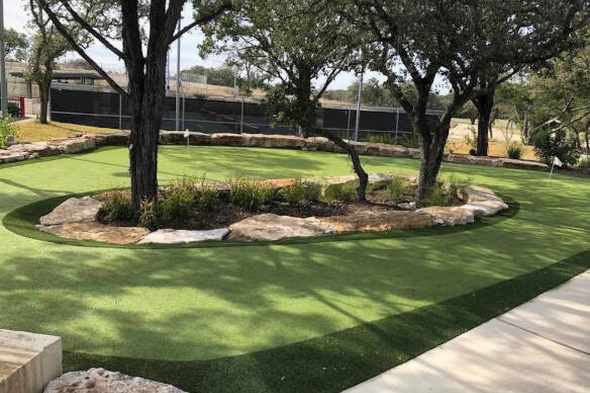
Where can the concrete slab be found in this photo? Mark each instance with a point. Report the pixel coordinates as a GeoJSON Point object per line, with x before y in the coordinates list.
{"type": "Point", "coordinates": [561, 315]}
{"type": "Point", "coordinates": [542, 346]}
{"type": "Point", "coordinates": [495, 357]}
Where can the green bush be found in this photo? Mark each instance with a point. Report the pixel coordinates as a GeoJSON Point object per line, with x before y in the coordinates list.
{"type": "Point", "coordinates": [301, 192]}
{"type": "Point", "coordinates": [471, 138]}
{"type": "Point", "coordinates": [342, 192]}
{"type": "Point", "coordinates": [7, 128]}
{"type": "Point", "coordinates": [438, 196]}
{"type": "Point", "coordinates": [248, 194]}
{"type": "Point", "coordinates": [514, 150]}
{"type": "Point", "coordinates": [149, 215]}
{"type": "Point", "coordinates": [400, 190]}
{"type": "Point", "coordinates": [117, 207]}
{"type": "Point", "coordinates": [179, 199]}
{"type": "Point", "coordinates": [207, 198]}
{"type": "Point", "coordinates": [548, 144]}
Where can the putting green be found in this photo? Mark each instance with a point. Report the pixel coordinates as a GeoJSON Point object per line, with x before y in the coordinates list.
{"type": "Point", "coordinates": [207, 303]}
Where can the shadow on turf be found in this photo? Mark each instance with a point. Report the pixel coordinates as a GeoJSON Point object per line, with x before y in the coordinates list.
{"type": "Point", "coordinates": [337, 361]}
{"type": "Point", "coordinates": [23, 221]}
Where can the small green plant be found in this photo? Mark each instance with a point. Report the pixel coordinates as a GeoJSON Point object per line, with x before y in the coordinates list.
{"type": "Point", "coordinates": [248, 194]}
{"type": "Point", "coordinates": [117, 207]}
{"type": "Point", "coordinates": [149, 214]}
{"type": "Point", "coordinates": [341, 192]}
{"type": "Point", "coordinates": [548, 144]}
{"type": "Point", "coordinates": [207, 198]}
{"type": "Point", "coordinates": [301, 192]}
{"type": "Point", "coordinates": [383, 138]}
{"type": "Point", "coordinates": [471, 138]}
{"type": "Point", "coordinates": [514, 150]}
{"type": "Point", "coordinates": [400, 190]}
{"type": "Point", "coordinates": [7, 128]}
{"type": "Point", "coordinates": [179, 199]}
{"type": "Point", "coordinates": [438, 196]}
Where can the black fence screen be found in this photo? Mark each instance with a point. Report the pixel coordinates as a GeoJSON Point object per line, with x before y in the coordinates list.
{"type": "Point", "coordinates": [210, 115]}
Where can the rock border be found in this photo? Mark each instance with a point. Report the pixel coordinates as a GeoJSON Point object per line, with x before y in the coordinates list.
{"type": "Point", "coordinates": [75, 219]}
{"type": "Point", "coordinates": [26, 151]}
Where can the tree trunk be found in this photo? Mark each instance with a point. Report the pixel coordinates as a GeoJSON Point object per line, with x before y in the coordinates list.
{"type": "Point", "coordinates": [305, 107]}
{"type": "Point", "coordinates": [44, 89]}
{"type": "Point", "coordinates": [431, 155]}
{"type": "Point", "coordinates": [354, 157]}
{"type": "Point", "coordinates": [484, 104]}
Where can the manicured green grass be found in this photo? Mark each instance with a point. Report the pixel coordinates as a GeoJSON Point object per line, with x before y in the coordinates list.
{"type": "Point", "coordinates": [317, 315]}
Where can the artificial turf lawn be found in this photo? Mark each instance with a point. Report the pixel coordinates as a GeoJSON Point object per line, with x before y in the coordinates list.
{"type": "Point", "coordinates": [299, 316]}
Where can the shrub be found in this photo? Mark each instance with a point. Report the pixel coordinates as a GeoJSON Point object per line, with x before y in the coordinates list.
{"type": "Point", "coordinates": [514, 150]}
{"type": "Point", "coordinates": [439, 196]}
{"type": "Point", "coordinates": [342, 192]}
{"type": "Point", "coordinates": [400, 190]}
{"type": "Point", "coordinates": [179, 199]}
{"type": "Point", "coordinates": [548, 144]}
{"type": "Point", "coordinates": [117, 207]}
{"type": "Point", "coordinates": [301, 192]}
{"type": "Point", "coordinates": [207, 198]}
{"type": "Point", "coordinates": [7, 128]}
{"type": "Point", "coordinates": [471, 138]}
{"type": "Point", "coordinates": [149, 214]}
{"type": "Point", "coordinates": [248, 194]}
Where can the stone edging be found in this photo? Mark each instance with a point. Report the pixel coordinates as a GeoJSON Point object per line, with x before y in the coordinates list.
{"type": "Point", "coordinates": [75, 219]}
{"type": "Point", "coordinates": [88, 142]}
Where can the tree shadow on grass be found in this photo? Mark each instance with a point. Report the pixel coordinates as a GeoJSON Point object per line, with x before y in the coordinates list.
{"type": "Point", "coordinates": [340, 360]}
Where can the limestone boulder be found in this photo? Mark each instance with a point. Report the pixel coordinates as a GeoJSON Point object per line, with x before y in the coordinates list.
{"type": "Point", "coordinates": [99, 380]}
{"type": "Point", "coordinates": [383, 221]}
{"type": "Point", "coordinates": [274, 227]}
{"type": "Point", "coordinates": [523, 164]}
{"type": "Point", "coordinates": [321, 144]}
{"type": "Point", "coordinates": [178, 138]}
{"type": "Point", "coordinates": [174, 236]}
{"type": "Point", "coordinates": [225, 139]}
{"type": "Point", "coordinates": [97, 232]}
{"type": "Point", "coordinates": [73, 210]}
{"type": "Point", "coordinates": [382, 149]}
{"type": "Point", "coordinates": [120, 138]}
{"type": "Point", "coordinates": [449, 216]}
{"type": "Point", "coordinates": [74, 145]}
{"type": "Point", "coordinates": [481, 201]}
{"type": "Point", "coordinates": [274, 141]}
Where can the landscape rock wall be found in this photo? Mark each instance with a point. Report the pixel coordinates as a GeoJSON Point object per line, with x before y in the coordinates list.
{"type": "Point", "coordinates": [25, 151]}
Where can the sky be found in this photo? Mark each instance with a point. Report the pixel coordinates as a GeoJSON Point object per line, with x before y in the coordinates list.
{"type": "Point", "coordinates": [16, 16]}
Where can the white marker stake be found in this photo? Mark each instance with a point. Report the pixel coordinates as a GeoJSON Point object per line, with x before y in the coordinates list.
{"type": "Point", "coordinates": [187, 136]}
{"type": "Point", "coordinates": [556, 161]}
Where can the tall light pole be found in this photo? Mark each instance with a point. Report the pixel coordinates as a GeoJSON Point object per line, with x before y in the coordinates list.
{"type": "Point", "coordinates": [4, 87]}
{"type": "Point", "coordinates": [359, 101]}
{"type": "Point", "coordinates": [178, 79]}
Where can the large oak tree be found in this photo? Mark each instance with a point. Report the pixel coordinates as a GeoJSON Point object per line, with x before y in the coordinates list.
{"type": "Point", "coordinates": [462, 43]}
{"type": "Point", "coordinates": [141, 34]}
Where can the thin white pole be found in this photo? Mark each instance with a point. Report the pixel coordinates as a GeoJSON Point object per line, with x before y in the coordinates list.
{"type": "Point", "coordinates": [358, 107]}
{"type": "Point", "coordinates": [178, 81]}
{"type": "Point", "coordinates": [4, 87]}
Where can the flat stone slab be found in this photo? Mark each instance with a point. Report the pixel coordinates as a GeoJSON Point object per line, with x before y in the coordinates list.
{"type": "Point", "coordinates": [28, 361]}
{"type": "Point", "coordinates": [383, 221]}
{"type": "Point", "coordinates": [97, 232]}
{"type": "Point", "coordinates": [449, 216]}
{"type": "Point", "coordinates": [73, 210]}
{"type": "Point", "coordinates": [274, 227]}
{"type": "Point", "coordinates": [99, 380]}
{"type": "Point", "coordinates": [173, 236]}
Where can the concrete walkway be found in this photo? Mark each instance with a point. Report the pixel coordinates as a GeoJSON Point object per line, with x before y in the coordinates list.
{"type": "Point", "coordinates": [540, 346]}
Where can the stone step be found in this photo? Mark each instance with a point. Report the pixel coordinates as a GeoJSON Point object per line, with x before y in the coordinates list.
{"type": "Point", "coordinates": [28, 361]}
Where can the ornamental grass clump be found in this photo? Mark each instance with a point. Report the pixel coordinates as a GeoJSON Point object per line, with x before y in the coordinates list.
{"type": "Point", "coordinates": [342, 192]}
{"type": "Point", "coordinates": [249, 194]}
{"type": "Point", "coordinates": [301, 192]}
{"type": "Point", "coordinates": [117, 207]}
